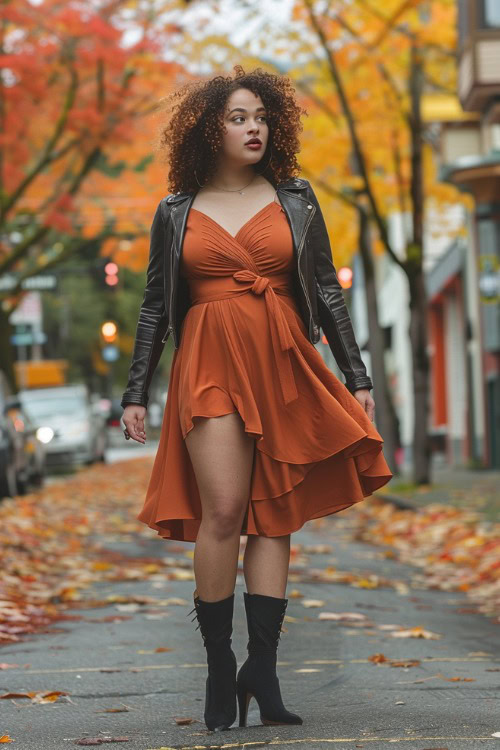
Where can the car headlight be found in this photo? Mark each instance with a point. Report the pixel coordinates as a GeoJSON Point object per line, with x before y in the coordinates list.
{"type": "Point", "coordinates": [45, 434]}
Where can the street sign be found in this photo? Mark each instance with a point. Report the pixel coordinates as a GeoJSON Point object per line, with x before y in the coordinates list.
{"type": "Point", "coordinates": [110, 353]}
{"type": "Point", "coordinates": [28, 338]}
{"type": "Point", "coordinates": [21, 339]}
{"type": "Point", "coordinates": [42, 282]}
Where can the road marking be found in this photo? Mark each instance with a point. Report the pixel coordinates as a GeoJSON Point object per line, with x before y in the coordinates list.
{"type": "Point", "coordinates": [146, 667]}
{"type": "Point", "coordinates": [266, 743]}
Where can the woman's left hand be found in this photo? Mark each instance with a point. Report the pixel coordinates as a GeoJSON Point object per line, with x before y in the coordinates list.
{"type": "Point", "coordinates": [364, 397]}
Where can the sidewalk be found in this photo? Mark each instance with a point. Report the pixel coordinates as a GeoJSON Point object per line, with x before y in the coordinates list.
{"type": "Point", "coordinates": [467, 489]}
{"type": "Point", "coordinates": [133, 671]}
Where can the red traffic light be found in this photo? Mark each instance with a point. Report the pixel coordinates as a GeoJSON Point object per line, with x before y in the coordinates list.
{"type": "Point", "coordinates": [344, 276]}
{"type": "Point", "coordinates": [111, 274]}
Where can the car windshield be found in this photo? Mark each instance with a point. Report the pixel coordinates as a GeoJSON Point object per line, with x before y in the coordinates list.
{"type": "Point", "coordinates": [59, 405]}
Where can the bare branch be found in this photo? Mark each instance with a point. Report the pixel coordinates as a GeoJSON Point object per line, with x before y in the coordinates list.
{"type": "Point", "coordinates": [338, 194]}
{"type": "Point", "coordinates": [67, 252]}
{"type": "Point", "coordinates": [358, 151]}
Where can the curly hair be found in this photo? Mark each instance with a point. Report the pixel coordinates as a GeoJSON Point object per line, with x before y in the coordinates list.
{"type": "Point", "coordinates": [193, 136]}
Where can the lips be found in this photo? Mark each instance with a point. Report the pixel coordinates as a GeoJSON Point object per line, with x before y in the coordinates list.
{"type": "Point", "coordinates": [253, 141]}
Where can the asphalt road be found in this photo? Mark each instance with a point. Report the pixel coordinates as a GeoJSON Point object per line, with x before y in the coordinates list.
{"type": "Point", "coordinates": [450, 700]}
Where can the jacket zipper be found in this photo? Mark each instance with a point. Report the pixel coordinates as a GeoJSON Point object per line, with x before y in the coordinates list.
{"type": "Point", "coordinates": [299, 251]}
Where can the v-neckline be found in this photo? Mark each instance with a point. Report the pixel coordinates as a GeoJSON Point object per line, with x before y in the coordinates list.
{"type": "Point", "coordinates": [234, 236]}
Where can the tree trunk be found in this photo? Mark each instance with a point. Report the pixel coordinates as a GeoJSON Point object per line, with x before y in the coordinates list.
{"type": "Point", "coordinates": [7, 359]}
{"type": "Point", "coordinates": [418, 338]}
{"type": "Point", "coordinates": [416, 280]}
{"type": "Point", "coordinates": [385, 414]}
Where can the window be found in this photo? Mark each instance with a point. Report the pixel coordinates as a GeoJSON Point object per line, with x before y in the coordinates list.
{"type": "Point", "coordinates": [491, 14]}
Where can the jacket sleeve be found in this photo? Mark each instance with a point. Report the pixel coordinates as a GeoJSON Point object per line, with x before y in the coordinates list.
{"type": "Point", "coordinates": [153, 320]}
{"type": "Point", "coordinates": [333, 313]}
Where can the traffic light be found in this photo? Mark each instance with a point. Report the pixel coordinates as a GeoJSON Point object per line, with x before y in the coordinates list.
{"type": "Point", "coordinates": [109, 332]}
{"type": "Point", "coordinates": [111, 274]}
{"type": "Point", "coordinates": [110, 351]}
{"type": "Point", "coordinates": [344, 276]}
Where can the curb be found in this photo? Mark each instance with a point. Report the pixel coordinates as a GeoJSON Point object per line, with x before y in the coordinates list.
{"type": "Point", "coordinates": [398, 501]}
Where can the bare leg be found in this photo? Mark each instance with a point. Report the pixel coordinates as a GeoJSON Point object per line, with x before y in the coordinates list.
{"type": "Point", "coordinates": [222, 456]}
{"type": "Point", "coordinates": [265, 565]}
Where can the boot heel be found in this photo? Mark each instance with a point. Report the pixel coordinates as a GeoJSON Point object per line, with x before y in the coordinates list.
{"type": "Point", "coordinates": [244, 699]}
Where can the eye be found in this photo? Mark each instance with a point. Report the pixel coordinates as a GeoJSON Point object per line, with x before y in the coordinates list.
{"type": "Point", "coordinates": [240, 117]}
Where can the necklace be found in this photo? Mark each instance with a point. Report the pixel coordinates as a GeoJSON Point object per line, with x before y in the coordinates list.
{"type": "Point", "coordinates": [240, 190]}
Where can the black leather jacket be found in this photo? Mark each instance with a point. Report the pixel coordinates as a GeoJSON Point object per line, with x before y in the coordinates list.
{"type": "Point", "coordinates": [317, 289]}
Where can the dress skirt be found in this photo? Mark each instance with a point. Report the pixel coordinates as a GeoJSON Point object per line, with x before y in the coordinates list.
{"type": "Point", "coordinates": [244, 348]}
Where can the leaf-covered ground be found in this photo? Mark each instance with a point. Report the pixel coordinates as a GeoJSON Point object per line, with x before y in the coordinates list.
{"type": "Point", "coordinates": [53, 547]}
{"type": "Point", "coordinates": [456, 549]}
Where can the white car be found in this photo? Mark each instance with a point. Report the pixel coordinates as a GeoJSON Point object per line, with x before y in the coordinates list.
{"type": "Point", "coordinates": [68, 423]}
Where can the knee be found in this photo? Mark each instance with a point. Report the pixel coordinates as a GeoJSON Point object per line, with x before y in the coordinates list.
{"type": "Point", "coordinates": [224, 519]}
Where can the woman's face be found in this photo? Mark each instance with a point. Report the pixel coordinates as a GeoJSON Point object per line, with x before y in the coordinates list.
{"type": "Point", "coordinates": [244, 119]}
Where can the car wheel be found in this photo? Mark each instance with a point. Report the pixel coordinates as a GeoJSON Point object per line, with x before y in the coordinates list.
{"type": "Point", "coordinates": [23, 484]}
{"type": "Point", "coordinates": [8, 483]}
{"type": "Point", "coordinates": [38, 479]}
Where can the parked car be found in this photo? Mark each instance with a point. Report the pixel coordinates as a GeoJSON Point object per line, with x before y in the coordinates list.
{"type": "Point", "coordinates": [114, 423]}
{"type": "Point", "coordinates": [22, 454]}
{"type": "Point", "coordinates": [8, 460]}
{"type": "Point", "coordinates": [70, 425]}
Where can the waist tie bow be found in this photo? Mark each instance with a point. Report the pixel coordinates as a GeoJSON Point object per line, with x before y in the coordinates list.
{"type": "Point", "coordinates": [281, 336]}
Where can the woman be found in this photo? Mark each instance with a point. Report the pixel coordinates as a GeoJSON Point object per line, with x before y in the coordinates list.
{"type": "Point", "coordinates": [258, 435]}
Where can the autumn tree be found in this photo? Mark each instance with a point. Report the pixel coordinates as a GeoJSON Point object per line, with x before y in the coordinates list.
{"type": "Point", "coordinates": [381, 62]}
{"type": "Point", "coordinates": [77, 82]}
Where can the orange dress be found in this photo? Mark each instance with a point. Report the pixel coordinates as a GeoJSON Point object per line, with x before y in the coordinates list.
{"type": "Point", "coordinates": [244, 347]}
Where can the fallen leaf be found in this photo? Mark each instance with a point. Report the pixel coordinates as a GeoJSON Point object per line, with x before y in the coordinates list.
{"type": "Point", "coordinates": [416, 632]}
{"type": "Point", "coordinates": [295, 594]}
{"type": "Point", "coordinates": [6, 738]}
{"type": "Point", "coordinates": [389, 627]}
{"type": "Point", "coordinates": [366, 583]}
{"type": "Point", "coordinates": [182, 721]}
{"type": "Point", "coordinates": [406, 664]}
{"type": "Point", "coordinates": [313, 603]}
{"type": "Point", "coordinates": [346, 616]}
{"type": "Point", "coordinates": [317, 549]}
{"type": "Point", "coordinates": [17, 695]}
{"type": "Point", "coordinates": [131, 607]}
{"type": "Point", "coordinates": [100, 740]}
{"type": "Point", "coordinates": [377, 658]}
{"type": "Point", "coordinates": [38, 696]}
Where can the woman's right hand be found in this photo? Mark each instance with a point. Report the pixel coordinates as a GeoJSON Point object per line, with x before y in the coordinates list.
{"type": "Point", "coordinates": [133, 417]}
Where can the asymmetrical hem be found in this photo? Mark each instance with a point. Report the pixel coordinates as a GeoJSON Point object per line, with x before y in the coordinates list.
{"type": "Point", "coordinates": [244, 348]}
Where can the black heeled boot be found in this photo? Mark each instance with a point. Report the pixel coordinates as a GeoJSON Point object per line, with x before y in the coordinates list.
{"type": "Point", "coordinates": [257, 677]}
{"type": "Point", "coordinates": [216, 626]}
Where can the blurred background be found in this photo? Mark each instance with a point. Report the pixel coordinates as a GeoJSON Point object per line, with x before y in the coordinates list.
{"type": "Point", "coordinates": [401, 144]}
